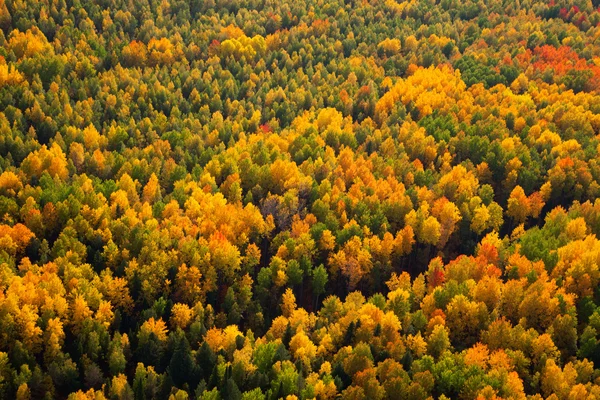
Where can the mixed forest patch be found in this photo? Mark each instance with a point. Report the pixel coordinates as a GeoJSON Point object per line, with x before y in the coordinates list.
{"type": "Point", "coordinates": [319, 199]}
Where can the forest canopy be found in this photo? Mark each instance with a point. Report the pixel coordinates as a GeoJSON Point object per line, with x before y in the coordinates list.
{"type": "Point", "coordinates": [319, 199]}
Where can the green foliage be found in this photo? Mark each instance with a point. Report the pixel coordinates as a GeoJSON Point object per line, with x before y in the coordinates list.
{"type": "Point", "coordinates": [474, 72]}
{"type": "Point", "coordinates": [319, 199]}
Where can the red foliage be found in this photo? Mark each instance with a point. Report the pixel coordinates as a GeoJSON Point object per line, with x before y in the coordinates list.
{"type": "Point", "coordinates": [438, 312]}
{"type": "Point", "coordinates": [523, 59]}
{"type": "Point", "coordinates": [561, 60]}
{"type": "Point", "coordinates": [488, 254]}
{"type": "Point", "coordinates": [265, 128]}
{"type": "Point", "coordinates": [563, 13]}
{"type": "Point", "coordinates": [320, 25]}
{"type": "Point", "coordinates": [566, 163]}
{"type": "Point", "coordinates": [219, 236]}
{"type": "Point", "coordinates": [364, 91]}
{"type": "Point", "coordinates": [438, 277]}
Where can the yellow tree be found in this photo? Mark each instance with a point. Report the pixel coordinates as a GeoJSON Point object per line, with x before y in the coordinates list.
{"type": "Point", "coordinates": [518, 206]}
{"type": "Point", "coordinates": [353, 261]}
{"type": "Point", "coordinates": [151, 192]}
{"type": "Point", "coordinates": [448, 215]}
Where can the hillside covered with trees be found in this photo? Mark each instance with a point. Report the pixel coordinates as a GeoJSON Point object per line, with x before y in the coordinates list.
{"type": "Point", "coordinates": [282, 199]}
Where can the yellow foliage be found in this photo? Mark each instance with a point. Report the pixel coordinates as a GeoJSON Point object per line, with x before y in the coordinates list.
{"type": "Point", "coordinates": [288, 303]}
{"type": "Point", "coordinates": [429, 89]}
{"type": "Point", "coordinates": [181, 316]}
{"type": "Point", "coordinates": [14, 239]}
{"type": "Point", "coordinates": [157, 327]}
{"type": "Point", "coordinates": [29, 43]}
{"type": "Point", "coordinates": [353, 261]}
{"type": "Point", "coordinates": [52, 160]}
{"type": "Point", "coordinates": [244, 46]}
{"type": "Point", "coordinates": [478, 355]}
{"type": "Point", "coordinates": [9, 75]}
{"type": "Point", "coordinates": [390, 46]}
{"type": "Point", "coordinates": [302, 348]}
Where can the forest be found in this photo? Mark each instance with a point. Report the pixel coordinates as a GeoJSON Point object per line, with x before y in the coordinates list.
{"type": "Point", "coordinates": [282, 199]}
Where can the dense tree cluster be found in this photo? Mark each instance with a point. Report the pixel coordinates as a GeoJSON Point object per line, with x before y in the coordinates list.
{"type": "Point", "coordinates": [258, 199]}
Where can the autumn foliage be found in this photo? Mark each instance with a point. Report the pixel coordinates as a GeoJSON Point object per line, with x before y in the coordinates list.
{"type": "Point", "coordinates": [326, 199]}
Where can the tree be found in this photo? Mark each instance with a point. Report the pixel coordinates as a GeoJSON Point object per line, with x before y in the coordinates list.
{"type": "Point", "coordinates": [438, 341]}
{"type": "Point", "coordinates": [518, 205]}
{"type": "Point", "coordinates": [151, 192]}
{"type": "Point", "coordinates": [53, 161]}
{"type": "Point", "coordinates": [152, 338]}
{"type": "Point", "coordinates": [448, 215]}
{"type": "Point", "coordinates": [225, 256]}
{"type": "Point", "coordinates": [29, 43]}
{"type": "Point", "coordinates": [359, 360]}
{"type": "Point", "coordinates": [303, 349]}
{"type": "Point", "coordinates": [288, 303]}
{"type": "Point", "coordinates": [319, 281]}
{"type": "Point", "coordinates": [182, 368]}
{"type": "Point", "coordinates": [465, 319]}
{"type": "Point", "coordinates": [181, 316]}
{"type": "Point", "coordinates": [120, 389]}
{"type": "Point", "coordinates": [353, 261]}
{"type": "Point", "coordinates": [135, 54]}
